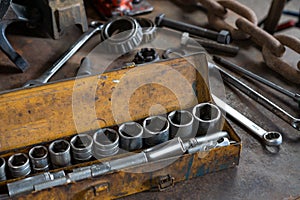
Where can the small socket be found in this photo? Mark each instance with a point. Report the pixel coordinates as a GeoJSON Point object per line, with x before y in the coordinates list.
{"type": "Point", "coordinates": [60, 153]}
{"type": "Point", "coordinates": [81, 147]}
{"type": "Point", "coordinates": [19, 165]}
{"type": "Point", "coordinates": [39, 158]}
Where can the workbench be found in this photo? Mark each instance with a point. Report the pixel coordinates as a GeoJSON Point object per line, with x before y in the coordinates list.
{"type": "Point", "coordinates": [260, 174]}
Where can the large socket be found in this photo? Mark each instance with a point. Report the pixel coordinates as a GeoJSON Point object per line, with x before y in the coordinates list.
{"type": "Point", "coordinates": [181, 124]}
{"type": "Point", "coordinates": [131, 136]}
{"type": "Point", "coordinates": [106, 143]}
{"type": "Point", "coordinates": [156, 130]}
{"type": "Point", "coordinates": [207, 118]}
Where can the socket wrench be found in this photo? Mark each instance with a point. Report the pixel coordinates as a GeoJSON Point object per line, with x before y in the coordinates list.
{"type": "Point", "coordinates": [19, 165]}
{"type": "Point", "coordinates": [131, 136]}
{"type": "Point", "coordinates": [270, 138]}
{"type": "Point", "coordinates": [60, 153]}
{"type": "Point", "coordinates": [181, 124]}
{"type": "Point", "coordinates": [294, 122]}
{"type": "Point", "coordinates": [81, 147]}
{"type": "Point", "coordinates": [106, 143]}
{"type": "Point", "coordinates": [156, 130]}
{"type": "Point", "coordinates": [44, 78]}
{"type": "Point", "coordinates": [39, 158]}
{"type": "Point", "coordinates": [207, 118]}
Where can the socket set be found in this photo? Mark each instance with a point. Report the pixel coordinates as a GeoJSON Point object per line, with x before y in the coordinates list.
{"type": "Point", "coordinates": [43, 156]}
{"type": "Point", "coordinates": [178, 133]}
{"type": "Point", "coordinates": [204, 119]}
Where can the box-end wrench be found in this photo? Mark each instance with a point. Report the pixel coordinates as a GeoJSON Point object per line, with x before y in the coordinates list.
{"type": "Point", "coordinates": [96, 27]}
{"type": "Point", "coordinates": [269, 138]}
{"type": "Point", "coordinates": [294, 122]}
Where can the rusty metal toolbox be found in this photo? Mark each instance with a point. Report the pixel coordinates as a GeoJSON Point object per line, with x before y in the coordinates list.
{"type": "Point", "coordinates": [43, 114]}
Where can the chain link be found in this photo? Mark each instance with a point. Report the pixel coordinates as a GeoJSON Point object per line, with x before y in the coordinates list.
{"type": "Point", "coordinates": [272, 47]}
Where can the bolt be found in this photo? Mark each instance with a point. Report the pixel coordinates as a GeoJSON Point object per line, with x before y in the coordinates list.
{"type": "Point", "coordinates": [187, 40]}
{"type": "Point", "coordinates": [222, 37]}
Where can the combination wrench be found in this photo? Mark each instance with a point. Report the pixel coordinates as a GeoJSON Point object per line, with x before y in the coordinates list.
{"type": "Point", "coordinates": [96, 27]}
{"type": "Point", "coordinates": [294, 122]}
{"type": "Point", "coordinates": [269, 138]}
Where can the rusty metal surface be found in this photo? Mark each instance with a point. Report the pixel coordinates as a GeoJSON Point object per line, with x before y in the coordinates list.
{"type": "Point", "coordinates": [260, 175]}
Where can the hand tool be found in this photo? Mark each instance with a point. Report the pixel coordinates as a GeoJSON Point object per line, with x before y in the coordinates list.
{"type": "Point", "coordinates": [60, 153]}
{"type": "Point", "coordinates": [186, 40]}
{"type": "Point", "coordinates": [181, 124]}
{"type": "Point", "coordinates": [156, 130]}
{"type": "Point", "coordinates": [294, 122]}
{"type": "Point", "coordinates": [26, 184]}
{"type": "Point", "coordinates": [39, 158]}
{"type": "Point", "coordinates": [230, 65]}
{"type": "Point", "coordinates": [121, 35]}
{"type": "Point", "coordinates": [169, 149]}
{"type": "Point", "coordinates": [131, 136]}
{"type": "Point", "coordinates": [106, 143]}
{"type": "Point", "coordinates": [270, 138]}
{"type": "Point", "coordinates": [81, 147]}
{"type": "Point", "coordinates": [207, 118]}
{"type": "Point", "coordinates": [44, 78]}
{"type": "Point", "coordinates": [2, 169]}
{"type": "Point", "coordinates": [222, 37]}
{"type": "Point", "coordinates": [18, 165]}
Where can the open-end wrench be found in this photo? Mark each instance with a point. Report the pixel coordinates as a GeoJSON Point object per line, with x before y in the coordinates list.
{"type": "Point", "coordinates": [270, 138]}
{"type": "Point", "coordinates": [96, 27]}
{"type": "Point", "coordinates": [294, 122]}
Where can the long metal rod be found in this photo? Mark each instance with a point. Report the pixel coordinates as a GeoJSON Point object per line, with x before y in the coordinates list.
{"type": "Point", "coordinates": [228, 64]}
{"type": "Point", "coordinates": [294, 122]}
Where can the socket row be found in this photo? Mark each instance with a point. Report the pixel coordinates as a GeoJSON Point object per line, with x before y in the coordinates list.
{"type": "Point", "coordinates": [205, 118]}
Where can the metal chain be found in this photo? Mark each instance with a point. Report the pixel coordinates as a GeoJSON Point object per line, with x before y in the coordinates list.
{"type": "Point", "coordinates": [273, 48]}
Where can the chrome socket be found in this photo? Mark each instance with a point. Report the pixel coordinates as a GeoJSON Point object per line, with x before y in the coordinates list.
{"type": "Point", "coordinates": [81, 147]}
{"type": "Point", "coordinates": [181, 124]}
{"type": "Point", "coordinates": [131, 136]}
{"type": "Point", "coordinates": [156, 130]}
{"type": "Point", "coordinates": [106, 143]}
{"type": "Point", "coordinates": [2, 169]}
{"type": "Point", "coordinates": [39, 158]}
{"type": "Point", "coordinates": [60, 153]}
{"type": "Point", "coordinates": [207, 118]}
{"type": "Point", "coordinates": [19, 165]}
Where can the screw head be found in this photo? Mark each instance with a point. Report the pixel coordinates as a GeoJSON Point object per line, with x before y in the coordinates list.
{"type": "Point", "coordinates": [224, 37]}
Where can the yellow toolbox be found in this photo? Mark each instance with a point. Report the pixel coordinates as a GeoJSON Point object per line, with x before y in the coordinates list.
{"type": "Point", "coordinates": [40, 115]}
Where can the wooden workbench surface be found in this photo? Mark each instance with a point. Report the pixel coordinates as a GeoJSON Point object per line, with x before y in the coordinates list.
{"type": "Point", "coordinates": [260, 175]}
